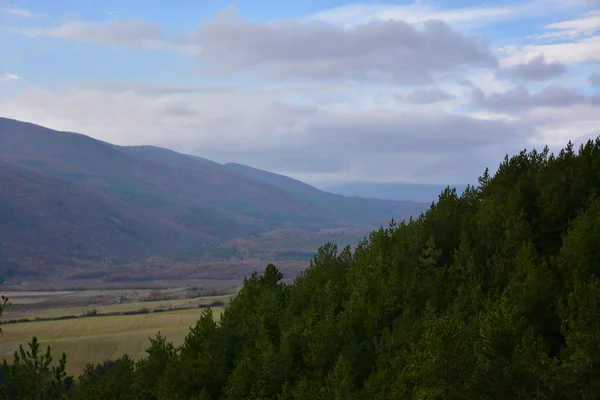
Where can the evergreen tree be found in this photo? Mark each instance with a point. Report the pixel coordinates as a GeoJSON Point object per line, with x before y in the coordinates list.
{"type": "Point", "coordinates": [31, 375]}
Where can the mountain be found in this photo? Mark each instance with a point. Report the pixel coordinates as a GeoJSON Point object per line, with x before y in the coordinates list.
{"type": "Point", "coordinates": [47, 221]}
{"type": "Point", "coordinates": [71, 199]}
{"type": "Point", "coordinates": [392, 191]}
{"type": "Point", "coordinates": [358, 210]}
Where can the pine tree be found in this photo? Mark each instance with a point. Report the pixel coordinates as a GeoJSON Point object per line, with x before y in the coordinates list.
{"type": "Point", "coordinates": [33, 377]}
{"type": "Point", "coordinates": [581, 328]}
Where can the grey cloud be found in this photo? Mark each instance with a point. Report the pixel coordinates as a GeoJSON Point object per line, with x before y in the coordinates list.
{"type": "Point", "coordinates": [535, 70]}
{"type": "Point", "coordinates": [328, 139]}
{"type": "Point", "coordinates": [557, 96]}
{"type": "Point", "coordinates": [594, 79]}
{"type": "Point", "coordinates": [428, 96]}
{"type": "Point", "coordinates": [180, 110]}
{"type": "Point", "coordinates": [519, 99]}
{"type": "Point", "coordinates": [315, 49]}
{"type": "Point", "coordinates": [416, 146]}
{"type": "Point", "coordinates": [257, 127]}
{"type": "Point", "coordinates": [403, 132]}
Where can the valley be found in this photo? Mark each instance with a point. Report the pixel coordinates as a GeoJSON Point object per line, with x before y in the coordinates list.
{"type": "Point", "coordinates": [103, 246]}
{"type": "Point", "coordinates": [78, 208]}
{"type": "Point", "coordinates": [312, 200]}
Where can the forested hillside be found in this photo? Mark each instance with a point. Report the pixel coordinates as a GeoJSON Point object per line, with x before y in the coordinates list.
{"type": "Point", "coordinates": [493, 294]}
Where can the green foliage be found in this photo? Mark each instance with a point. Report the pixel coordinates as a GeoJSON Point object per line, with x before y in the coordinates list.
{"type": "Point", "coordinates": [493, 294]}
{"type": "Point", "coordinates": [581, 327]}
{"type": "Point", "coordinates": [111, 380]}
{"type": "Point", "coordinates": [150, 371]}
{"type": "Point", "coordinates": [31, 376]}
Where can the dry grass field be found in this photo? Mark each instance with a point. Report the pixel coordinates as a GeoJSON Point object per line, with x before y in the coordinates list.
{"type": "Point", "coordinates": [93, 340]}
{"type": "Point", "coordinates": [96, 339]}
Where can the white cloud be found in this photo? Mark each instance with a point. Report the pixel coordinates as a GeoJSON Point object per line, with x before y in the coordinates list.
{"type": "Point", "coordinates": [579, 51]}
{"type": "Point", "coordinates": [10, 77]}
{"type": "Point", "coordinates": [355, 14]}
{"type": "Point", "coordinates": [555, 114]}
{"type": "Point", "coordinates": [16, 12]}
{"type": "Point", "coordinates": [555, 127]}
{"type": "Point", "coordinates": [115, 14]}
{"type": "Point", "coordinates": [586, 26]}
{"type": "Point", "coordinates": [130, 33]}
{"type": "Point", "coordinates": [418, 12]}
{"type": "Point", "coordinates": [574, 41]}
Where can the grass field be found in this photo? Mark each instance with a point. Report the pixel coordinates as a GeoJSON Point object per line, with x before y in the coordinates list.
{"type": "Point", "coordinates": [67, 309]}
{"type": "Point", "coordinates": [100, 338]}
{"type": "Point", "coordinates": [93, 340]}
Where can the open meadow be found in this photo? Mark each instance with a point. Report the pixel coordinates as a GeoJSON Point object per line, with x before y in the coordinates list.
{"type": "Point", "coordinates": [96, 339]}
{"type": "Point", "coordinates": [92, 326]}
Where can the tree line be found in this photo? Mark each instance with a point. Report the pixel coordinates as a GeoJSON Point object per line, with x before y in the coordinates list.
{"type": "Point", "coordinates": [493, 294]}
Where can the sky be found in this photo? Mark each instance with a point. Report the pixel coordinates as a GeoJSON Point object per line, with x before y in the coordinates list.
{"type": "Point", "coordinates": [327, 91]}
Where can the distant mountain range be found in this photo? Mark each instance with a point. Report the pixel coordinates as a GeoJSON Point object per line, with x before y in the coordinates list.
{"type": "Point", "coordinates": [393, 191]}
{"type": "Point", "coordinates": [69, 200]}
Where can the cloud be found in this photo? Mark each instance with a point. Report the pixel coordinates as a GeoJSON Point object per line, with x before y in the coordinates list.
{"type": "Point", "coordinates": [594, 79]}
{"type": "Point", "coordinates": [115, 14]}
{"type": "Point", "coordinates": [575, 52]}
{"type": "Point", "coordinates": [519, 99]}
{"type": "Point", "coordinates": [575, 28]}
{"type": "Point", "coordinates": [576, 41]}
{"type": "Point", "coordinates": [556, 126]}
{"type": "Point", "coordinates": [16, 12]}
{"type": "Point", "coordinates": [428, 96]}
{"type": "Point", "coordinates": [262, 128]}
{"type": "Point", "coordinates": [10, 77]}
{"type": "Point", "coordinates": [355, 14]}
{"type": "Point", "coordinates": [336, 117]}
{"type": "Point", "coordinates": [468, 17]}
{"type": "Point", "coordinates": [130, 33]}
{"type": "Point", "coordinates": [290, 49]}
{"type": "Point", "coordinates": [535, 70]}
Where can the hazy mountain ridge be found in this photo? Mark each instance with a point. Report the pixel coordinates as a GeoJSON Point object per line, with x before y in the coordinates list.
{"type": "Point", "coordinates": [166, 202]}
{"type": "Point", "coordinates": [392, 191]}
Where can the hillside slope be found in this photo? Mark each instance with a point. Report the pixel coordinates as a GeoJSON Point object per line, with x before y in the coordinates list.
{"type": "Point", "coordinates": [48, 222]}
{"type": "Point", "coordinates": [178, 196]}
{"type": "Point", "coordinates": [355, 209]}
